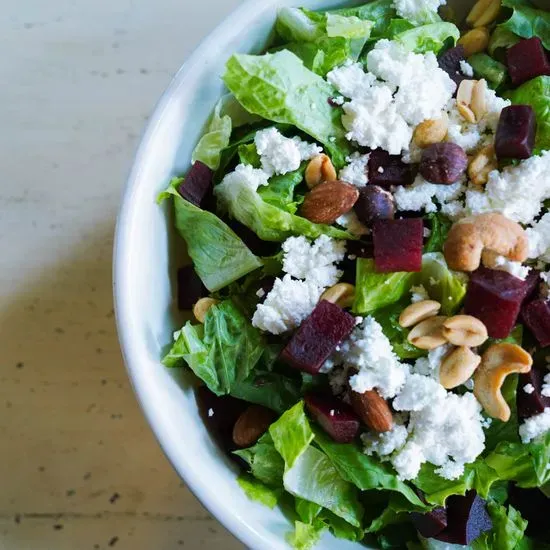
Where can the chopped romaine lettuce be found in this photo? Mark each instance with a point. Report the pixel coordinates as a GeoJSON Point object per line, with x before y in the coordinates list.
{"type": "Point", "coordinates": [270, 223]}
{"type": "Point", "coordinates": [440, 226]}
{"type": "Point", "coordinates": [527, 21]}
{"type": "Point", "coordinates": [280, 191]}
{"type": "Point", "coordinates": [536, 92]}
{"type": "Point", "coordinates": [501, 38]}
{"type": "Point", "coordinates": [221, 352]}
{"type": "Point", "coordinates": [280, 88]}
{"type": "Point", "coordinates": [377, 290]}
{"type": "Point", "coordinates": [209, 149]}
{"type": "Point", "coordinates": [493, 71]}
{"type": "Point", "coordinates": [264, 461]}
{"type": "Point", "coordinates": [429, 38]}
{"type": "Point", "coordinates": [248, 154]}
{"type": "Point", "coordinates": [381, 12]}
{"type": "Point", "coordinates": [256, 490]}
{"type": "Point", "coordinates": [508, 529]}
{"type": "Point", "coordinates": [220, 257]}
{"type": "Point", "coordinates": [300, 25]}
{"type": "Point", "coordinates": [305, 535]}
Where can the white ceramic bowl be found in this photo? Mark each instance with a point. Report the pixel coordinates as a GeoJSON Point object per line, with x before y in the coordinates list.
{"type": "Point", "coordinates": [145, 260]}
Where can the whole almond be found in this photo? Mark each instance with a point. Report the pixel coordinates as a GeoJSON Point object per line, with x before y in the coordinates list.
{"type": "Point", "coordinates": [373, 410]}
{"type": "Point", "coordinates": [326, 202]}
{"type": "Point", "coordinates": [251, 425]}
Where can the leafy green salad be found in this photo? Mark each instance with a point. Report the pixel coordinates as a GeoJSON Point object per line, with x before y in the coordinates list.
{"type": "Point", "coordinates": [367, 219]}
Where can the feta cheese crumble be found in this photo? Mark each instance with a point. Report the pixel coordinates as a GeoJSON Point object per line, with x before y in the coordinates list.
{"type": "Point", "coordinates": [535, 426]}
{"type": "Point", "coordinates": [418, 11]}
{"type": "Point", "coordinates": [466, 68]}
{"type": "Point", "coordinates": [517, 269]}
{"type": "Point", "coordinates": [287, 305]}
{"type": "Point", "coordinates": [281, 155]}
{"type": "Point", "coordinates": [529, 389]}
{"type": "Point", "coordinates": [539, 239]}
{"type": "Point", "coordinates": [386, 443]}
{"type": "Point", "coordinates": [369, 352]}
{"type": "Point", "coordinates": [245, 175]}
{"type": "Point", "coordinates": [546, 386]}
{"type": "Point", "coordinates": [419, 294]}
{"type": "Point", "coordinates": [517, 192]}
{"type": "Point", "coordinates": [314, 261]}
{"type": "Point", "coordinates": [356, 172]}
{"type": "Point", "coordinates": [353, 224]}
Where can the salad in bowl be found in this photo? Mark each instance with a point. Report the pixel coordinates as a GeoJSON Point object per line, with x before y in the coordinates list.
{"type": "Point", "coordinates": [367, 219]}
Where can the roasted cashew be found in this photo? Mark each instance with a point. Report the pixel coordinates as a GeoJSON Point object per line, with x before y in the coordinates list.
{"type": "Point", "coordinates": [469, 237]}
{"type": "Point", "coordinates": [497, 363]}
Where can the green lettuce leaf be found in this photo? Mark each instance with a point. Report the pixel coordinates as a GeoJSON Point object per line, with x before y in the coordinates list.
{"type": "Point", "coordinates": [365, 472]}
{"type": "Point", "coordinates": [313, 477]}
{"type": "Point", "coordinates": [493, 71]}
{"type": "Point", "coordinates": [429, 38]}
{"type": "Point", "coordinates": [381, 12]}
{"type": "Point", "coordinates": [501, 38]}
{"type": "Point", "coordinates": [256, 490]}
{"type": "Point", "coordinates": [536, 92]}
{"type": "Point", "coordinates": [272, 390]}
{"type": "Point", "coordinates": [300, 25]}
{"type": "Point", "coordinates": [443, 285]}
{"type": "Point", "coordinates": [527, 21]}
{"type": "Point", "coordinates": [248, 154]}
{"type": "Point", "coordinates": [220, 257]}
{"type": "Point", "coordinates": [292, 435]}
{"type": "Point", "coordinates": [269, 222]}
{"type": "Point", "coordinates": [377, 290]}
{"type": "Point", "coordinates": [265, 463]}
{"type": "Point", "coordinates": [348, 27]}
{"type": "Point", "coordinates": [209, 149]}
{"type": "Point", "coordinates": [527, 464]}
{"type": "Point", "coordinates": [280, 88]}
{"type": "Point", "coordinates": [507, 532]}
{"type": "Point", "coordinates": [307, 511]}
{"type": "Point", "coordinates": [281, 189]}
{"type": "Point", "coordinates": [440, 226]}
{"type": "Point", "coordinates": [305, 535]}
{"type": "Point", "coordinates": [388, 318]}
{"type": "Point", "coordinates": [221, 352]}
{"type": "Point", "coordinates": [397, 511]}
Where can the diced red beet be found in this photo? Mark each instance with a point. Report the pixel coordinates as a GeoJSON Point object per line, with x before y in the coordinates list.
{"type": "Point", "coordinates": [536, 316]}
{"type": "Point", "coordinates": [190, 288]}
{"type": "Point", "coordinates": [386, 170]}
{"type": "Point", "coordinates": [467, 519]}
{"type": "Point", "coordinates": [526, 60]}
{"type": "Point", "coordinates": [197, 183]}
{"type": "Point", "coordinates": [450, 60]}
{"type": "Point", "coordinates": [220, 414]}
{"type": "Point", "coordinates": [495, 297]}
{"type": "Point", "coordinates": [398, 245]}
{"type": "Point", "coordinates": [431, 523]}
{"type": "Point", "coordinates": [516, 132]}
{"type": "Point", "coordinates": [317, 337]}
{"type": "Point", "coordinates": [530, 404]}
{"type": "Point", "coordinates": [334, 416]}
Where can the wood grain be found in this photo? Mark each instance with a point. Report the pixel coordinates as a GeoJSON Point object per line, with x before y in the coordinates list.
{"type": "Point", "coordinates": [80, 468]}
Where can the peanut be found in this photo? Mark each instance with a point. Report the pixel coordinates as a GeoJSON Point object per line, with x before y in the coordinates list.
{"type": "Point", "coordinates": [418, 312]}
{"type": "Point", "coordinates": [465, 330]}
{"type": "Point", "coordinates": [319, 170]}
{"type": "Point", "coordinates": [428, 334]}
{"type": "Point", "coordinates": [200, 309]}
{"type": "Point", "coordinates": [341, 294]}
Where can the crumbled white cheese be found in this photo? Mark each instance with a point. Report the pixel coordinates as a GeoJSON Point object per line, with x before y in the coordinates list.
{"type": "Point", "coordinates": [339, 100]}
{"type": "Point", "coordinates": [466, 68]}
{"type": "Point", "coordinates": [417, 393]}
{"type": "Point", "coordinates": [546, 386]}
{"type": "Point", "coordinates": [369, 352]}
{"type": "Point", "coordinates": [517, 192]}
{"type": "Point", "coordinates": [539, 239]}
{"type": "Point", "coordinates": [418, 11]}
{"type": "Point", "coordinates": [413, 155]}
{"type": "Point", "coordinates": [423, 88]}
{"type": "Point", "coordinates": [353, 224]}
{"type": "Point", "coordinates": [281, 155]}
{"type": "Point", "coordinates": [210, 413]}
{"type": "Point", "coordinates": [419, 294]}
{"type": "Point", "coordinates": [314, 261]}
{"type": "Point", "coordinates": [260, 293]}
{"type": "Point", "coordinates": [517, 269]}
{"type": "Point", "coordinates": [421, 194]}
{"type": "Point", "coordinates": [430, 365]}
{"type": "Point", "coordinates": [356, 172]}
{"type": "Point", "coordinates": [408, 461]}
{"type": "Point", "coordinates": [529, 389]}
{"type": "Point", "coordinates": [386, 443]}
{"type": "Point", "coordinates": [287, 305]}
{"type": "Point", "coordinates": [535, 426]}
{"type": "Point", "coordinates": [244, 174]}
{"type": "Point", "coordinates": [351, 80]}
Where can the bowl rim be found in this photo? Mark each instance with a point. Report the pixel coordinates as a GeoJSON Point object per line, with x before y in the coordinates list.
{"type": "Point", "coordinates": [233, 522]}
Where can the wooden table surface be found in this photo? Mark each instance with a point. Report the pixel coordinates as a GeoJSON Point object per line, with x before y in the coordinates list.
{"type": "Point", "coordinates": [80, 469]}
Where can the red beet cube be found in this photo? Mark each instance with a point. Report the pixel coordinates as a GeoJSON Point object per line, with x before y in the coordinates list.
{"type": "Point", "coordinates": [431, 523]}
{"type": "Point", "coordinates": [386, 170]}
{"type": "Point", "coordinates": [467, 519]}
{"type": "Point", "coordinates": [190, 288]}
{"type": "Point", "coordinates": [398, 245]}
{"type": "Point", "coordinates": [526, 60]}
{"type": "Point", "coordinates": [317, 337]}
{"type": "Point", "coordinates": [495, 297]}
{"type": "Point", "coordinates": [334, 416]}
{"type": "Point", "coordinates": [516, 132]}
{"type": "Point", "coordinates": [536, 316]}
{"type": "Point", "coordinates": [197, 184]}
{"type": "Point", "coordinates": [530, 404]}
